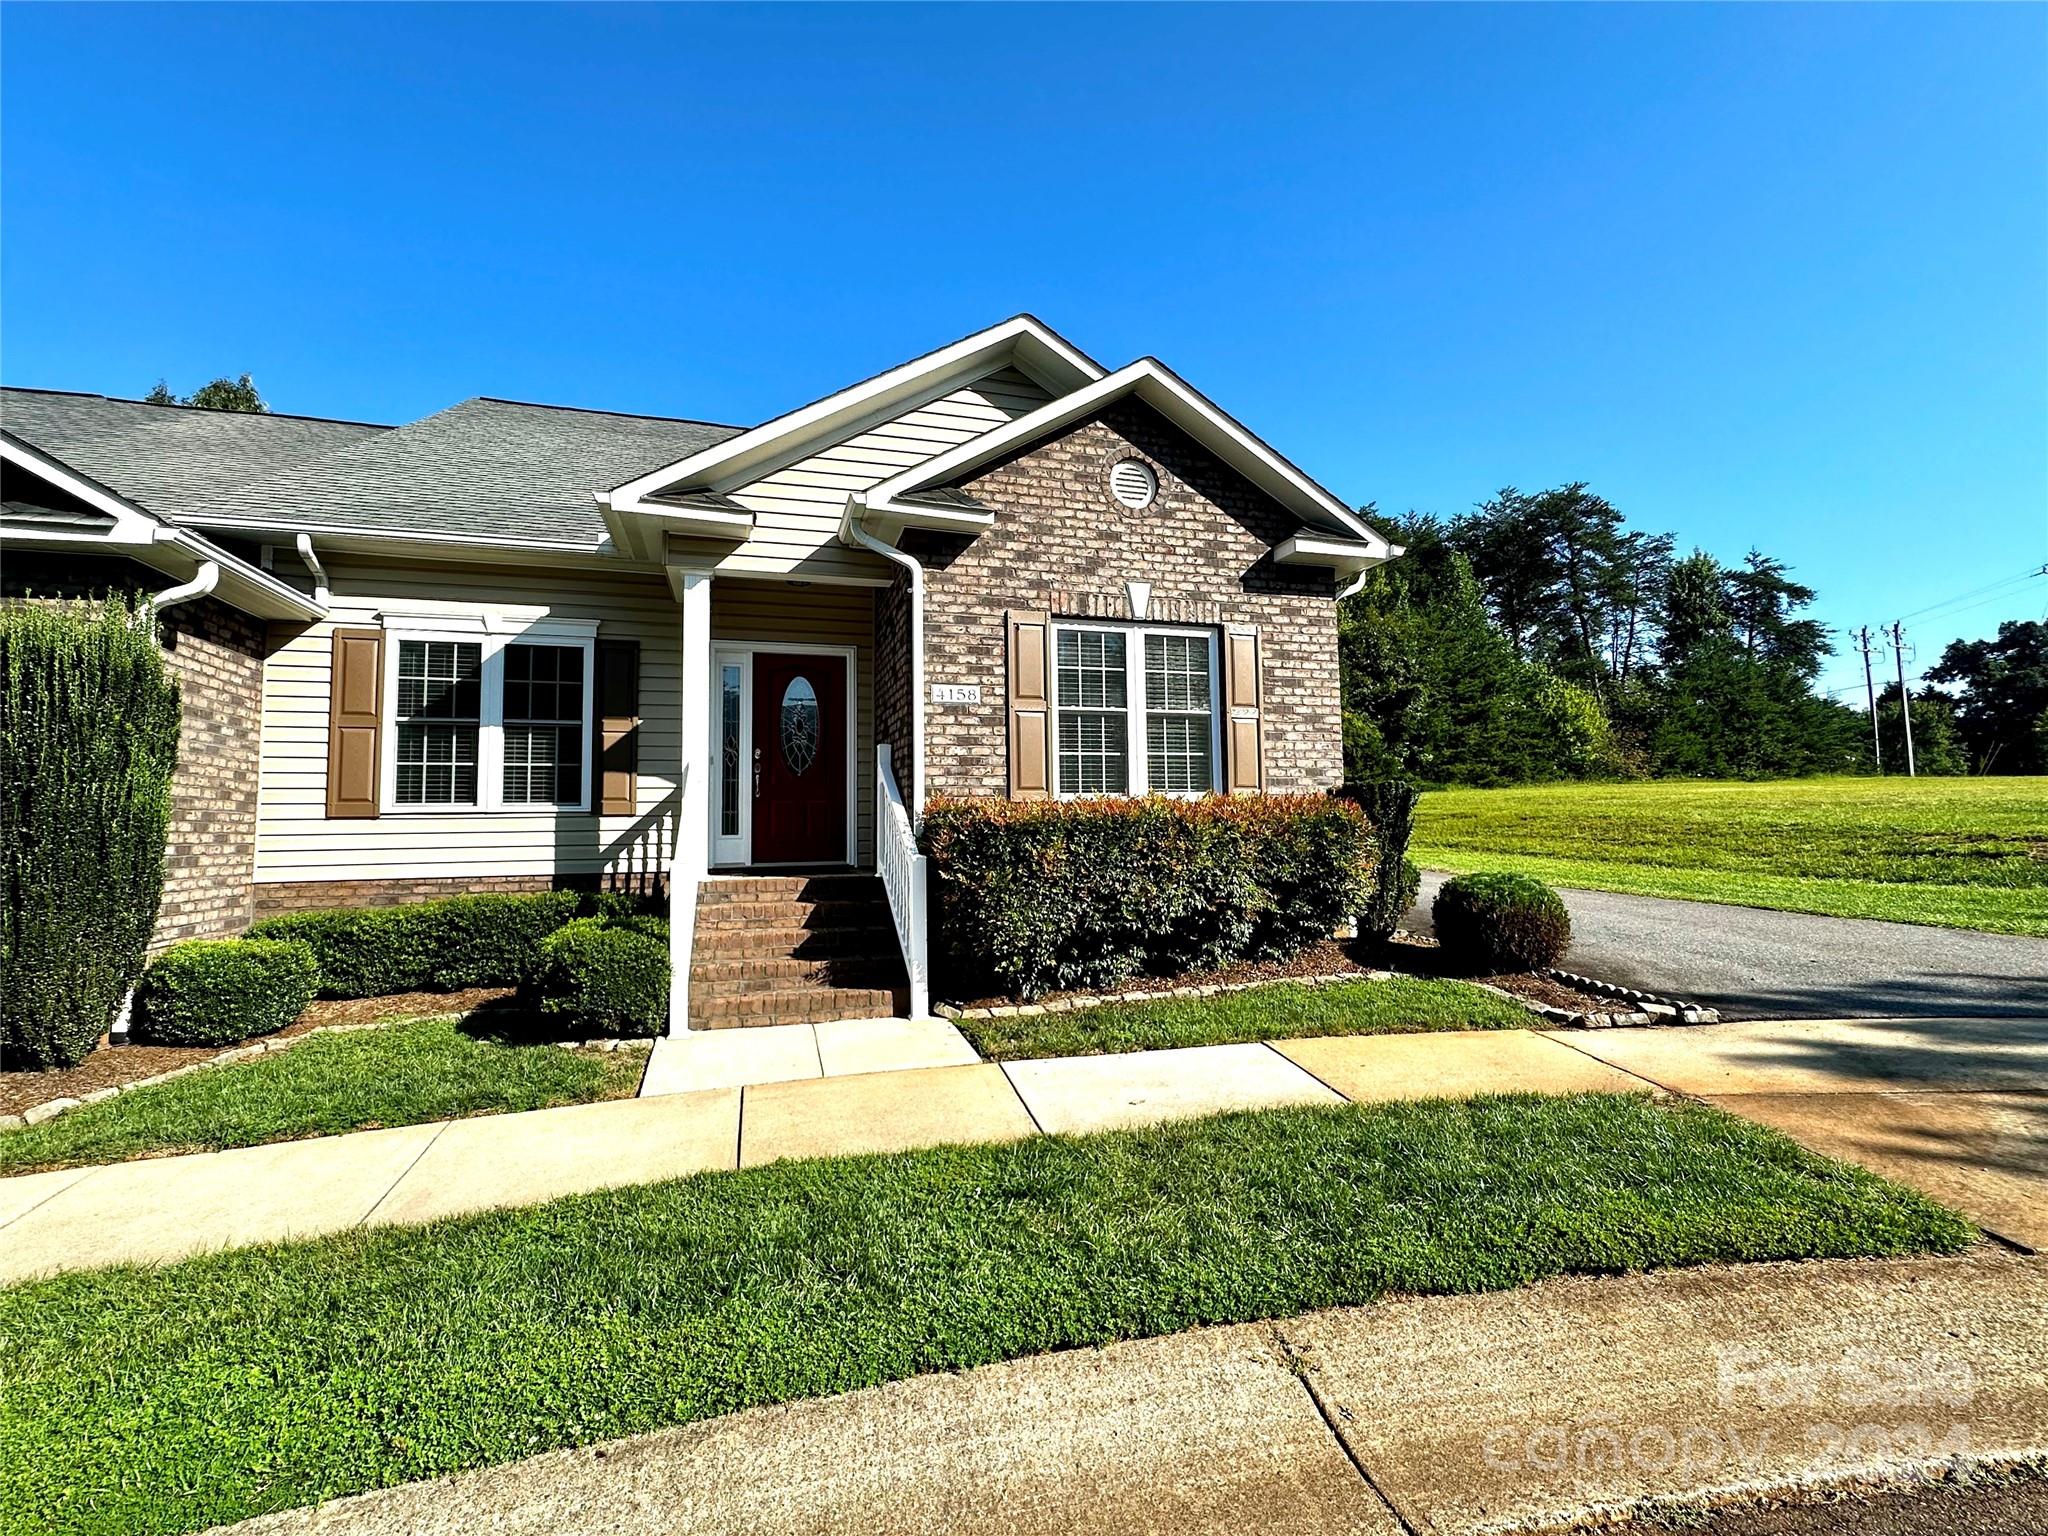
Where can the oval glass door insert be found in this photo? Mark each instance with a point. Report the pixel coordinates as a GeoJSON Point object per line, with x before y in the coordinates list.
{"type": "Point", "coordinates": [799, 725]}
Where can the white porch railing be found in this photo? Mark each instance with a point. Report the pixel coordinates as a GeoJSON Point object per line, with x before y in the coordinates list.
{"type": "Point", "coordinates": [904, 877]}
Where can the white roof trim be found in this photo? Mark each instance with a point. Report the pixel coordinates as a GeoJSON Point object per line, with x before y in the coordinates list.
{"type": "Point", "coordinates": [642, 533]}
{"type": "Point", "coordinates": [143, 537]}
{"type": "Point", "coordinates": [1345, 556]}
{"type": "Point", "coordinates": [1023, 340]}
{"type": "Point", "coordinates": [1165, 391]}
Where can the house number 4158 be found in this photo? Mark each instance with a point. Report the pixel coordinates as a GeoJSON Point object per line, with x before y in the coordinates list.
{"type": "Point", "coordinates": [956, 693]}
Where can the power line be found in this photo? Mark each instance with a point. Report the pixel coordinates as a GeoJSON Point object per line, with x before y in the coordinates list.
{"type": "Point", "coordinates": [2023, 576]}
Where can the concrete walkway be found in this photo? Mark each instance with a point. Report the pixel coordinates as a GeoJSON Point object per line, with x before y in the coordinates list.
{"type": "Point", "coordinates": [162, 1209]}
{"type": "Point", "coordinates": [1955, 1107]}
{"type": "Point", "coordinates": [1455, 1415]}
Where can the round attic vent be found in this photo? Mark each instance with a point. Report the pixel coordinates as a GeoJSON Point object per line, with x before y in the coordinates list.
{"type": "Point", "coordinates": [1132, 482]}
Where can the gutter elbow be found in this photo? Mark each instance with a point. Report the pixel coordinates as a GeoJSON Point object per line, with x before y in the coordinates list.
{"type": "Point", "coordinates": [304, 544]}
{"type": "Point", "coordinates": [203, 581]}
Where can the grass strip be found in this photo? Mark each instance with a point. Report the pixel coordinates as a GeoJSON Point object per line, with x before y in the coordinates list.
{"type": "Point", "coordinates": [1283, 1011]}
{"type": "Point", "coordinates": [1953, 853]}
{"type": "Point", "coordinates": [223, 1387]}
{"type": "Point", "coordinates": [399, 1074]}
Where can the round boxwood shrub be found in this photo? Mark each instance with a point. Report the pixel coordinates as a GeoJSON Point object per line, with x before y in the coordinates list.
{"type": "Point", "coordinates": [600, 977]}
{"type": "Point", "coordinates": [220, 991]}
{"type": "Point", "coordinates": [1492, 923]}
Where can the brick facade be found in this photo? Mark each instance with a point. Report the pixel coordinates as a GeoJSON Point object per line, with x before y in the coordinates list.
{"type": "Point", "coordinates": [277, 896]}
{"type": "Point", "coordinates": [892, 673]}
{"type": "Point", "coordinates": [1062, 542]}
{"type": "Point", "coordinates": [216, 653]}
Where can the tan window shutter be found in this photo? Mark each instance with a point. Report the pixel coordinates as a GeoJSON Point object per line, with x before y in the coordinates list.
{"type": "Point", "coordinates": [1243, 708]}
{"type": "Point", "coordinates": [1030, 704]}
{"type": "Point", "coordinates": [355, 722]}
{"type": "Point", "coordinates": [618, 727]}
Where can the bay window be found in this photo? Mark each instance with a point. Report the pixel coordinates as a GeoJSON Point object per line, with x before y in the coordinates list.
{"type": "Point", "coordinates": [483, 718]}
{"type": "Point", "coordinates": [1134, 710]}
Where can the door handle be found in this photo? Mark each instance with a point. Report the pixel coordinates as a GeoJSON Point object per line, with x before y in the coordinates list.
{"type": "Point", "coordinates": [757, 773]}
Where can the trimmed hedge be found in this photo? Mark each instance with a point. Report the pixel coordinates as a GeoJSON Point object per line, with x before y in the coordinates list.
{"type": "Point", "coordinates": [1047, 896]}
{"type": "Point", "coordinates": [220, 991]}
{"type": "Point", "coordinates": [436, 946]}
{"type": "Point", "coordinates": [1493, 923]}
{"type": "Point", "coordinates": [88, 739]}
{"type": "Point", "coordinates": [1389, 804]}
{"type": "Point", "coordinates": [605, 977]}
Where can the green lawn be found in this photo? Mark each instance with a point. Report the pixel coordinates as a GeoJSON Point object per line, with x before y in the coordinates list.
{"type": "Point", "coordinates": [1957, 853]}
{"type": "Point", "coordinates": [168, 1400]}
{"type": "Point", "coordinates": [1283, 1011]}
{"type": "Point", "coordinates": [400, 1074]}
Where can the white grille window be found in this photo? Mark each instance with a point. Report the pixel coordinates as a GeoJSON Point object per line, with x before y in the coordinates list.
{"type": "Point", "coordinates": [543, 724]}
{"type": "Point", "coordinates": [1132, 482]}
{"type": "Point", "coordinates": [1178, 755]}
{"type": "Point", "coordinates": [488, 713]}
{"type": "Point", "coordinates": [440, 713]}
{"type": "Point", "coordinates": [1094, 697]}
{"type": "Point", "coordinates": [1135, 710]}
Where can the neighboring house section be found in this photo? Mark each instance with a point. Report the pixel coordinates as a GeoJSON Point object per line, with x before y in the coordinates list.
{"type": "Point", "coordinates": [512, 646]}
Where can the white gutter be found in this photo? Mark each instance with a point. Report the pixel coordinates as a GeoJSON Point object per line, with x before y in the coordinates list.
{"type": "Point", "coordinates": [203, 581]}
{"type": "Point", "coordinates": [304, 545]}
{"type": "Point", "coordinates": [850, 526]}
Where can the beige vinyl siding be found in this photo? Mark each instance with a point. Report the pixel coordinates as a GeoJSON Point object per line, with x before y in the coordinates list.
{"type": "Point", "coordinates": [797, 508]}
{"type": "Point", "coordinates": [774, 613]}
{"type": "Point", "coordinates": [295, 840]}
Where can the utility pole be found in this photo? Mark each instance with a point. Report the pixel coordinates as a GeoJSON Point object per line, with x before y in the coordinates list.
{"type": "Point", "coordinates": [1905, 701]}
{"type": "Point", "coordinates": [1862, 638]}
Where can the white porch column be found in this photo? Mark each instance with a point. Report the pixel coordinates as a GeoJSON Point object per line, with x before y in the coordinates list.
{"type": "Point", "coordinates": [693, 781]}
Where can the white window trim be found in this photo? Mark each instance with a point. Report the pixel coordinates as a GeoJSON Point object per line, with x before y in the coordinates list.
{"type": "Point", "coordinates": [494, 631]}
{"type": "Point", "coordinates": [1135, 713]}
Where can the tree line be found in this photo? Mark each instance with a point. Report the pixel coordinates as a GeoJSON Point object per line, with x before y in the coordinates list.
{"type": "Point", "coordinates": [1539, 637]}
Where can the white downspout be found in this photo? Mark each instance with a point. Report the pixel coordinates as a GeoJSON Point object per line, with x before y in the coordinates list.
{"type": "Point", "coordinates": [203, 581]}
{"type": "Point", "coordinates": [304, 545]}
{"type": "Point", "coordinates": [856, 509]}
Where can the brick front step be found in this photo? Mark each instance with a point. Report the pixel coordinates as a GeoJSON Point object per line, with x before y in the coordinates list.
{"type": "Point", "coordinates": [789, 914]}
{"type": "Point", "coordinates": [793, 949]}
{"type": "Point", "coordinates": [810, 1005]}
{"type": "Point", "coordinates": [737, 943]}
{"type": "Point", "coordinates": [743, 888]}
{"type": "Point", "coordinates": [779, 973]}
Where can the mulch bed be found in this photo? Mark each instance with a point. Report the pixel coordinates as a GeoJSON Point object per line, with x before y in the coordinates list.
{"type": "Point", "coordinates": [1423, 957]}
{"type": "Point", "coordinates": [1334, 957]}
{"type": "Point", "coordinates": [112, 1065]}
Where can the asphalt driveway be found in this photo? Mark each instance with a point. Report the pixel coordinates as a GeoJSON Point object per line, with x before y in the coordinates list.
{"type": "Point", "coordinates": [1753, 964]}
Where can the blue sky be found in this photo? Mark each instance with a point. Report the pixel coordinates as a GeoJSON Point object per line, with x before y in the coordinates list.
{"type": "Point", "coordinates": [1762, 275]}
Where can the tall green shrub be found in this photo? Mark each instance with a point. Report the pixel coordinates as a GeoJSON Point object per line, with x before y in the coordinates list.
{"type": "Point", "coordinates": [88, 739]}
{"type": "Point", "coordinates": [1090, 893]}
{"type": "Point", "coordinates": [1389, 804]}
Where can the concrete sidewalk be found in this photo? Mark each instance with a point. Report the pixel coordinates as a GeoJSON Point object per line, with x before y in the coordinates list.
{"type": "Point", "coordinates": [1955, 1107]}
{"type": "Point", "coordinates": [163, 1209]}
{"type": "Point", "coordinates": [1450, 1414]}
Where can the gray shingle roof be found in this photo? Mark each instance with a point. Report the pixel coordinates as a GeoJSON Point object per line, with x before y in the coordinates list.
{"type": "Point", "coordinates": [168, 458]}
{"type": "Point", "coordinates": [492, 467]}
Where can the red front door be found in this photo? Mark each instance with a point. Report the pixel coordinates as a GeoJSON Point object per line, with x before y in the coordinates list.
{"type": "Point", "coordinates": [799, 759]}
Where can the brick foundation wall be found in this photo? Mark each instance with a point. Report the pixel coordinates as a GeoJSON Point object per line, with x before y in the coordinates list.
{"type": "Point", "coordinates": [274, 897]}
{"type": "Point", "coordinates": [216, 653]}
{"type": "Point", "coordinates": [1062, 542]}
